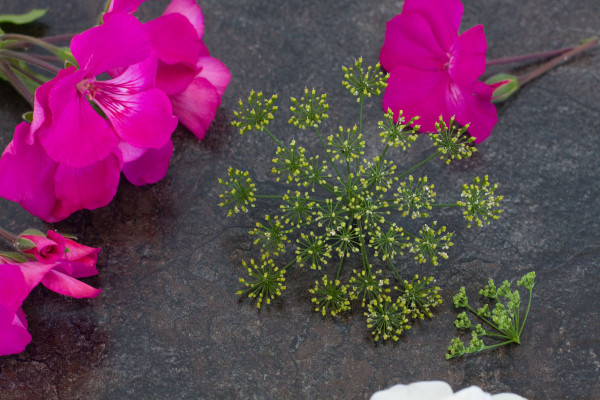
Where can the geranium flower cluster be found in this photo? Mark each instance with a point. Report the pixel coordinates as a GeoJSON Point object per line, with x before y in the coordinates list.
{"type": "Point", "coordinates": [51, 259]}
{"type": "Point", "coordinates": [113, 109]}
{"type": "Point", "coordinates": [345, 205]}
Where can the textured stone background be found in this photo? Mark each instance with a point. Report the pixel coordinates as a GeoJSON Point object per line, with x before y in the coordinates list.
{"type": "Point", "coordinates": [169, 325]}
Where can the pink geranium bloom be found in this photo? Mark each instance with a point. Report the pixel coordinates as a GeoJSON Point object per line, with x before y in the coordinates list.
{"type": "Point", "coordinates": [17, 280]}
{"type": "Point", "coordinates": [47, 248]}
{"type": "Point", "coordinates": [434, 70]}
{"type": "Point", "coordinates": [193, 80]}
{"type": "Point", "coordinates": [70, 130]}
{"type": "Point", "coordinates": [51, 190]}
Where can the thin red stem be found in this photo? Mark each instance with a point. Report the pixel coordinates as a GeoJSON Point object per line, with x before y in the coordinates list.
{"type": "Point", "coordinates": [9, 237]}
{"type": "Point", "coordinates": [527, 57]}
{"type": "Point", "coordinates": [555, 61]}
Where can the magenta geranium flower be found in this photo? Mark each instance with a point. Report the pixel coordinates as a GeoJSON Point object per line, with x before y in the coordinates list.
{"type": "Point", "coordinates": [50, 190]}
{"type": "Point", "coordinates": [434, 70]}
{"type": "Point", "coordinates": [71, 131]}
{"type": "Point", "coordinates": [193, 80]}
{"type": "Point", "coordinates": [17, 280]}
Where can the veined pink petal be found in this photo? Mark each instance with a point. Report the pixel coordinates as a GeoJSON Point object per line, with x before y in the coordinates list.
{"type": "Point", "coordinates": [26, 175]}
{"type": "Point", "coordinates": [467, 62]}
{"type": "Point", "coordinates": [89, 187]}
{"type": "Point", "coordinates": [175, 78]}
{"type": "Point", "coordinates": [442, 15]}
{"type": "Point", "coordinates": [143, 119]}
{"type": "Point", "coordinates": [476, 109]}
{"type": "Point", "coordinates": [64, 284]}
{"type": "Point", "coordinates": [196, 106]}
{"type": "Point", "coordinates": [215, 72]}
{"type": "Point", "coordinates": [13, 332]}
{"type": "Point", "coordinates": [418, 92]}
{"type": "Point", "coordinates": [191, 10]}
{"type": "Point", "coordinates": [151, 167]}
{"type": "Point", "coordinates": [78, 136]}
{"type": "Point", "coordinates": [410, 40]}
{"type": "Point", "coordinates": [124, 6]}
{"type": "Point", "coordinates": [119, 42]}
{"type": "Point", "coordinates": [174, 39]}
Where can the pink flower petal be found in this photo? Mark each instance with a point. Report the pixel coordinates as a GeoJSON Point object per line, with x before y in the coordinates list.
{"type": "Point", "coordinates": [151, 167]}
{"type": "Point", "coordinates": [215, 72]}
{"type": "Point", "coordinates": [477, 110]}
{"type": "Point", "coordinates": [78, 136]}
{"type": "Point", "coordinates": [90, 187]}
{"type": "Point", "coordinates": [124, 6]}
{"type": "Point", "coordinates": [410, 40]}
{"type": "Point", "coordinates": [68, 286]}
{"type": "Point", "coordinates": [442, 15]}
{"type": "Point", "coordinates": [418, 92]}
{"type": "Point", "coordinates": [129, 152]}
{"type": "Point", "coordinates": [119, 42]}
{"type": "Point", "coordinates": [13, 332]}
{"type": "Point", "coordinates": [189, 9]}
{"type": "Point", "coordinates": [173, 79]}
{"type": "Point", "coordinates": [18, 280]}
{"type": "Point", "coordinates": [196, 107]}
{"type": "Point", "coordinates": [83, 257]}
{"type": "Point", "coordinates": [26, 175]}
{"type": "Point", "coordinates": [174, 39]}
{"type": "Point", "coordinates": [468, 56]}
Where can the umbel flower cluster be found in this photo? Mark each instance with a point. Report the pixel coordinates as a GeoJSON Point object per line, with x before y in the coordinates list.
{"type": "Point", "coordinates": [344, 205]}
{"type": "Point", "coordinates": [503, 320]}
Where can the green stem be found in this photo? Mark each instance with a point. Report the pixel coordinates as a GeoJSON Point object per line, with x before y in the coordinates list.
{"type": "Point", "coordinates": [289, 264]}
{"type": "Point", "coordinates": [487, 321]}
{"type": "Point", "coordinates": [393, 267]}
{"type": "Point", "coordinates": [526, 312]}
{"type": "Point", "coordinates": [493, 346]}
{"type": "Point", "coordinates": [16, 83]}
{"type": "Point", "coordinates": [276, 197]}
{"type": "Point", "coordinates": [445, 205]}
{"type": "Point", "coordinates": [339, 270]}
{"type": "Point", "coordinates": [360, 131]}
{"type": "Point", "coordinates": [279, 142]}
{"type": "Point", "coordinates": [431, 157]}
{"type": "Point", "coordinates": [15, 55]}
{"type": "Point", "coordinates": [328, 155]}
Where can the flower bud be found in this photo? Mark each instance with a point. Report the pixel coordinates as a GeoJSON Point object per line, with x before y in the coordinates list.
{"type": "Point", "coordinates": [504, 86]}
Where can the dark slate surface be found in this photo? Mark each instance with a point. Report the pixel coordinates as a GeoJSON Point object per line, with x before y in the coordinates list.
{"type": "Point", "coordinates": [169, 324]}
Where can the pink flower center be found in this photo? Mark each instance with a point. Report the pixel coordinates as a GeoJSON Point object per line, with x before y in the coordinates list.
{"type": "Point", "coordinates": [113, 99]}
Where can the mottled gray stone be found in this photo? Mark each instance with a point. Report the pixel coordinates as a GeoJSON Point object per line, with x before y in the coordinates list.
{"type": "Point", "coordinates": [169, 324]}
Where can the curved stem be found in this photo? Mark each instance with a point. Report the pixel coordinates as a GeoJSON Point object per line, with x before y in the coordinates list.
{"type": "Point", "coordinates": [16, 83]}
{"type": "Point", "coordinates": [526, 313]}
{"type": "Point", "coordinates": [31, 40]}
{"type": "Point", "coordinates": [9, 54]}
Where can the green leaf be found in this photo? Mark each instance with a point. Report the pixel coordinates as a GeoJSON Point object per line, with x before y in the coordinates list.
{"type": "Point", "coordinates": [13, 256]}
{"type": "Point", "coordinates": [33, 232]}
{"type": "Point", "coordinates": [25, 244]}
{"type": "Point", "coordinates": [28, 116]}
{"type": "Point", "coordinates": [26, 18]}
